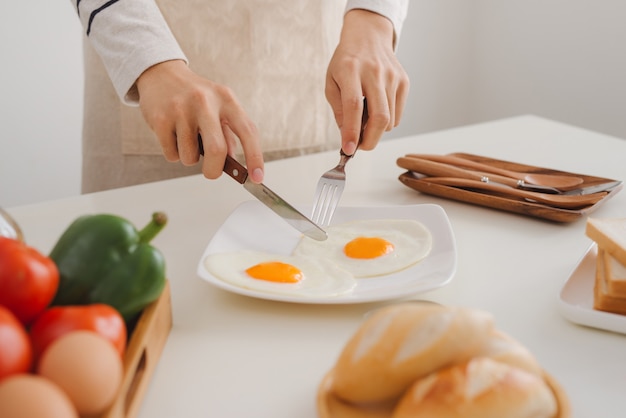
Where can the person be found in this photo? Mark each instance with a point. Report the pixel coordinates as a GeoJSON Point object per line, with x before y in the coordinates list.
{"type": "Point", "coordinates": [258, 79]}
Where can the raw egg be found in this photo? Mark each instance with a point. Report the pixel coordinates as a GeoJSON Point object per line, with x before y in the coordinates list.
{"type": "Point", "coordinates": [368, 248]}
{"type": "Point", "coordinates": [282, 274]}
{"type": "Point", "coordinates": [30, 396]}
{"type": "Point", "coordinates": [87, 367]}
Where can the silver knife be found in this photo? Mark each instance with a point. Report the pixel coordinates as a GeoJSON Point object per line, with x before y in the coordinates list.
{"type": "Point", "coordinates": [602, 187]}
{"type": "Point", "coordinates": [270, 199]}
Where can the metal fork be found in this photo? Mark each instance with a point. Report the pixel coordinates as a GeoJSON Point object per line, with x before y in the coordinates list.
{"type": "Point", "coordinates": [330, 186]}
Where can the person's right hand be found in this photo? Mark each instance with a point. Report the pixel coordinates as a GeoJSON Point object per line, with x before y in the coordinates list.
{"type": "Point", "coordinates": [179, 105]}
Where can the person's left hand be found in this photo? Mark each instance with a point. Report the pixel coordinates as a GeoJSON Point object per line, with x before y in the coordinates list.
{"type": "Point", "coordinates": [364, 65]}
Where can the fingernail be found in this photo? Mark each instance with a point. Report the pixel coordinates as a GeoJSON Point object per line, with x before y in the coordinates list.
{"type": "Point", "coordinates": [257, 175]}
{"type": "Point", "coordinates": [350, 148]}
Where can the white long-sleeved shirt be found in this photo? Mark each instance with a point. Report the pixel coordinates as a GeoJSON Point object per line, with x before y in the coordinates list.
{"type": "Point", "coordinates": [132, 35]}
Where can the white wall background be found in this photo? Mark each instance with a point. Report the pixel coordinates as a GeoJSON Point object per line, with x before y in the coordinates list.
{"type": "Point", "coordinates": [40, 101]}
{"type": "Point", "coordinates": [469, 61]}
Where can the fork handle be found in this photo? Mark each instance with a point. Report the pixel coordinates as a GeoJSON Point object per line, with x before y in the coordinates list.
{"type": "Point", "coordinates": [364, 119]}
{"type": "Point", "coordinates": [344, 158]}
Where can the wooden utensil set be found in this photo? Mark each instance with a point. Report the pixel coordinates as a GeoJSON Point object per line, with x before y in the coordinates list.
{"type": "Point", "coordinates": [534, 191]}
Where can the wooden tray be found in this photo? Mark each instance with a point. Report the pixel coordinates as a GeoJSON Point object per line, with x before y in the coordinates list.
{"type": "Point", "coordinates": [506, 203]}
{"type": "Point", "coordinates": [142, 355]}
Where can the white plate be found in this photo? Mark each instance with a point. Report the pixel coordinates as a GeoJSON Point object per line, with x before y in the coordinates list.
{"type": "Point", "coordinates": [252, 226]}
{"type": "Point", "coordinates": [576, 297]}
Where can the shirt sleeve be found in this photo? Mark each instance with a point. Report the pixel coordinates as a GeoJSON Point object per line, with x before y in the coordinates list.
{"type": "Point", "coordinates": [394, 10]}
{"type": "Point", "coordinates": [129, 37]}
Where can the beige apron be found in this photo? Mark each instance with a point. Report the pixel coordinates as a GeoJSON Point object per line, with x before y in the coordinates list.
{"type": "Point", "coordinates": [272, 53]}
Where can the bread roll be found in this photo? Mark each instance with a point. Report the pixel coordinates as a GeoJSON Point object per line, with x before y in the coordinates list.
{"type": "Point", "coordinates": [503, 348]}
{"type": "Point", "coordinates": [480, 388]}
{"type": "Point", "coordinates": [398, 344]}
{"type": "Point", "coordinates": [330, 406]}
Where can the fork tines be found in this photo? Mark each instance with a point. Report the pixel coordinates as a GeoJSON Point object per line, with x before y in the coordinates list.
{"type": "Point", "coordinates": [327, 197]}
{"type": "Point", "coordinates": [330, 185]}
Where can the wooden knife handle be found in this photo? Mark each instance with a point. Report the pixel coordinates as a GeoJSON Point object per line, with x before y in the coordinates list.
{"type": "Point", "coordinates": [231, 166]}
{"type": "Point", "coordinates": [439, 169]}
{"type": "Point", "coordinates": [235, 170]}
{"type": "Point", "coordinates": [432, 168]}
{"type": "Point", "coordinates": [469, 164]}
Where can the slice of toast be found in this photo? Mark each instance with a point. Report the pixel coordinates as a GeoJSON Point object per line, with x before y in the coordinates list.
{"type": "Point", "coordinates": [610, 235]}
{"type": "Point", "coordinates": [603, 299]}
{"type": "Point", "coordinates": [614, 273]}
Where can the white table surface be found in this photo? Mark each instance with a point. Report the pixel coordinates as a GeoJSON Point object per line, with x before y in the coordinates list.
{"type": "Point", "coordinates": [234, 356]}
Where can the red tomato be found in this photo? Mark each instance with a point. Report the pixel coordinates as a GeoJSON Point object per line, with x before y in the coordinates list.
{"type": "Point", "coordinates": [28, 279]}
{"type": "Point", "coordinates": [16, 353]}
{"type": "Point", "coordinates": [59, 320]}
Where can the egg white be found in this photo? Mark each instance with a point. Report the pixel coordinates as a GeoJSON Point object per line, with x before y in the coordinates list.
{"type": "Point", "coordinates": [322, 278]}
{"type": "Point", "coordinates": [412, 242]}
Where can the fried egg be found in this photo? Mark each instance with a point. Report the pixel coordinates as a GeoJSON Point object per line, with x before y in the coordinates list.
{"type": "Point", "coordinates": [280, 274]}
{"type": "Point", "coordinates": [368, 248]}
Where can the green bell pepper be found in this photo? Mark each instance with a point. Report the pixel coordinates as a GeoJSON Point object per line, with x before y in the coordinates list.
{"type": "Point", "coordinates": [102, 258]}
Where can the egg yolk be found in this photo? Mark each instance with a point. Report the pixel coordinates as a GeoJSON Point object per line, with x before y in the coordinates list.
{"type": "Point", "coordinates": [367, 247]}
{"type": "Point", "coordinates": [275, 271]}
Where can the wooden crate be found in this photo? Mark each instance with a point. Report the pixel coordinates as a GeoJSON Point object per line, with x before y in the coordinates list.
{"type": "Point", "coordinates": [142, 355]}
